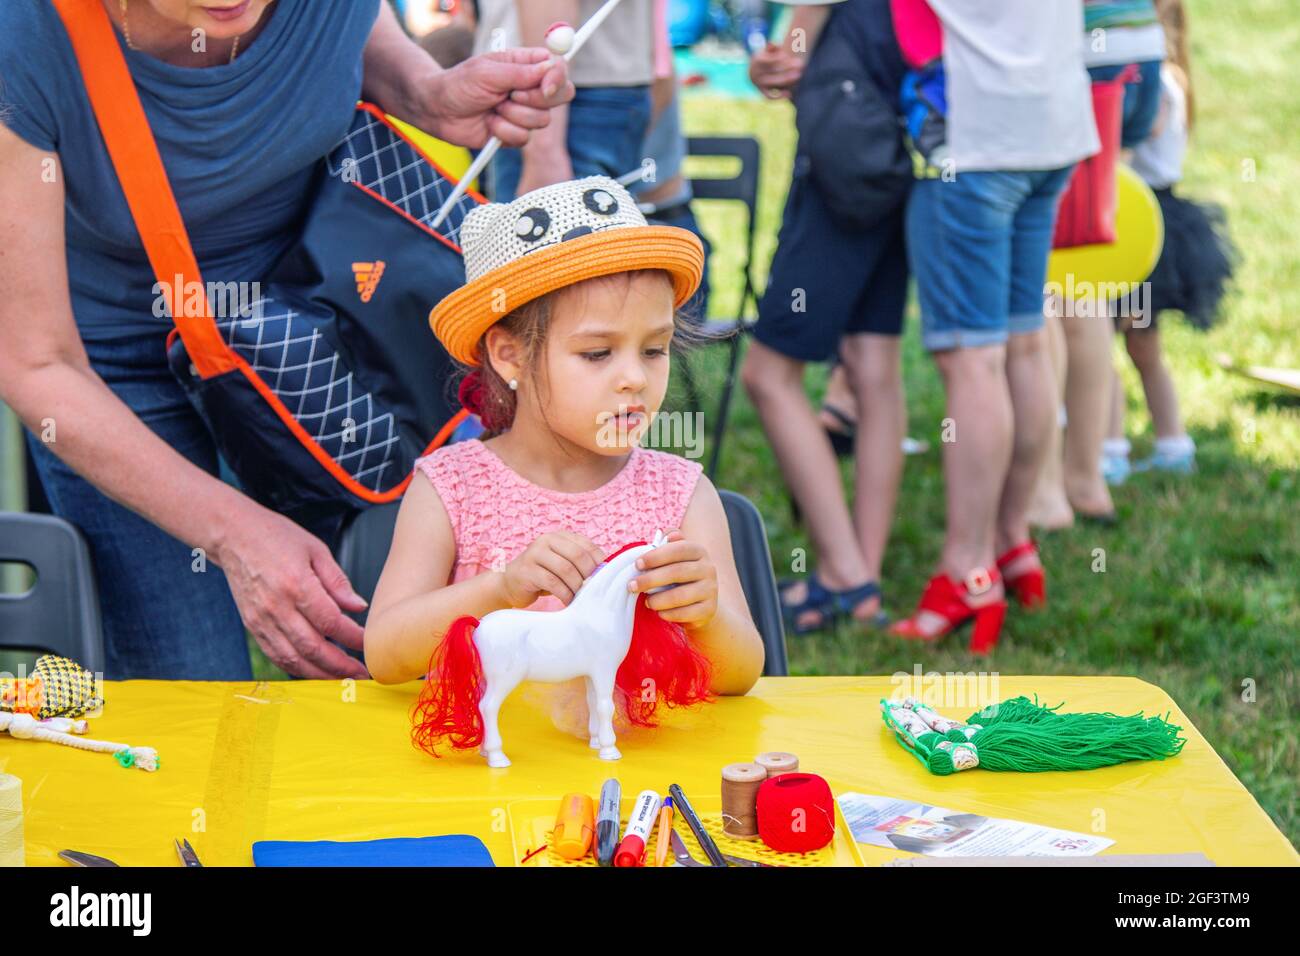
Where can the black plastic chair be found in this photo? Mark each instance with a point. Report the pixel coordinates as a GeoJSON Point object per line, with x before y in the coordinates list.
{"type": "Point", "coordinates": [363, 546]}
{"type": "Point", "coordinates": [742, 188]}
{"type": "Point", "coordinates": [365, 540]}
{"type": "Point", "coordinates": [60, 612]}
{"type": "Point", "coordinates": [754, 565]}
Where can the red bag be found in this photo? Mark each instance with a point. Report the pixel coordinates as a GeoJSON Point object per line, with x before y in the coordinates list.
{"type": "Point", "coordinates": [1086, 215]}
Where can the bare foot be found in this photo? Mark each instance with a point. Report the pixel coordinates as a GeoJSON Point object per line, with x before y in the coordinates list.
{"type": "Point", "coordinates": [1022, 564]}
{"type": "Point", "coordinates": [1091, 499]}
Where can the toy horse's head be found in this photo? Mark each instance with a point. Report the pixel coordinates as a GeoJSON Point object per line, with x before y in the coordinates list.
{"type": "Point", "coordinates": [619, 568]}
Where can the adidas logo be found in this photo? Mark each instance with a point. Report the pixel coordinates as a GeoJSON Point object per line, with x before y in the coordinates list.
{"type": "Point", "coordinates": [368, 275]}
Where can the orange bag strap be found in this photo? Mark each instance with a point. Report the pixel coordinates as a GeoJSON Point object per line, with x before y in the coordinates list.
{"type": "Point", "coordinates": [140, 171]}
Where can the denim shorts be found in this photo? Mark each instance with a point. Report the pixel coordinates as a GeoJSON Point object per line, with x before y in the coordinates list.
{"type": "Point", "coordinates": [166, 614]}
{"type": "Point", "coordinates": [607, 127]}
{"type": "Point", "coordinates": [827, 281]}
{"type": "Point", "coordinates": [978, 246]}
{"type": "Point", "coordinates": [1141, 99]}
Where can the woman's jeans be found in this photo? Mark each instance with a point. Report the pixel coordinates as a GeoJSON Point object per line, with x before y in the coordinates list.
{"type": "Point", "coordinates": [167, 609]}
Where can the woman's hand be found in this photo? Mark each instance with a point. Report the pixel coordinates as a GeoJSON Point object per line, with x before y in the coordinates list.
{"type": "Point", "coordinates": [556, 563]}
{"type": "Point", "coordinates": [507, 94]}
{"type": "Point", "coordinates": [694, 600]}
{"type": "Point", "coordinates": [776, 71]}
{"type": "Point", "coordinates": [291, 595]}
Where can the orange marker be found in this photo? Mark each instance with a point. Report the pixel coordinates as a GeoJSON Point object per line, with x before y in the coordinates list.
{"type": "Point", "coordinates": [575, 826]}
{"type": "Point", "coordinates": [665, 832]}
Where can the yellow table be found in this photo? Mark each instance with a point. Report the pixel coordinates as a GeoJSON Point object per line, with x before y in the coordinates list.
{"type": "Point", "coordinates": [332, 760]}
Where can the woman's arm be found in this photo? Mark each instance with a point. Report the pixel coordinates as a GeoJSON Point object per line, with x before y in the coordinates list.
{"type": "Point", "coordinates": [506, 94]}
{"type": "Point", "coordinates": [285, 582]}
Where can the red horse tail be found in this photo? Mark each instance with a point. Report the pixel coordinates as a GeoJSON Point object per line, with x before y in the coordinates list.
{"type": "Point", "coordinates": [447, 708]}
{"type": "Point", "coordinates": [662, 665]}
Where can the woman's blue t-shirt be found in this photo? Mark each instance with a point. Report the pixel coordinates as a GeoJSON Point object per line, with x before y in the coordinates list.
{"type": "Point", "coordinates": [239, 141]}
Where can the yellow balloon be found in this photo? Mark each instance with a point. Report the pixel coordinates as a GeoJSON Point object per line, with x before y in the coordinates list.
{"type": "Point", "coordinates": [1113, 271]}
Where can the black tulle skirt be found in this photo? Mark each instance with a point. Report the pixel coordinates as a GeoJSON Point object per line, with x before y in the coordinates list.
{"type": "Point", "coordinates": [1196, 263]}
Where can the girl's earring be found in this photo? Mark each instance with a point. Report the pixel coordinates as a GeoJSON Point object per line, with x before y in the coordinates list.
{"type": "Point", "coordinates": [514, 385]}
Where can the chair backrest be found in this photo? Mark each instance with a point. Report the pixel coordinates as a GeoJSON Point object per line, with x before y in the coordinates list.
{"type": "Point", "coordinates": [742, 187]}
{"type": "Point", "coordinates": [364, 543]}
{"type": "Point", "coordinates": [363, 548]}
{"type": "Point", "coordinates": [60, 612]}
{"type": "Point", "coordinates": [754, 565]}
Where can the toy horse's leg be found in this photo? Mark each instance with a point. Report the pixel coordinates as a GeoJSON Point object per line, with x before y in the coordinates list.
{"type": "Point", "coordinates": [489, 707]}
{"type": "Point", "coordinates": [593, 718]}
{"type": "Point", "coordinates": [604, 693]}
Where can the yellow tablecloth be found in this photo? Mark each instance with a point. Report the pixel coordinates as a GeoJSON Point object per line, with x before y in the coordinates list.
{"type": "Point", "coordinates": [311, 760]}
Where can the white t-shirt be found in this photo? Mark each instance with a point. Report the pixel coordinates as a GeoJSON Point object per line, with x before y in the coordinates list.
{"type": "Point", "coordinates": [1018, 95]}
{"type": "Point", "coordinates": [1158, 159]}
{"type": "Point", "coordinates": [620, 53]}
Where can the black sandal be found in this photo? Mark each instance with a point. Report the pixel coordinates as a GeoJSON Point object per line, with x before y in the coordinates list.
{"type": "Point", "coordinates": [831, 606]}
{"type": "Point", "coordinates": [841, 441]}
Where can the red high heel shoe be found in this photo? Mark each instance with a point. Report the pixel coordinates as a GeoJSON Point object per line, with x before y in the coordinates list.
{"type": "Point", "coordinates": [1030, 587]}
{"type": "Point", "coordinates": [946, 598]}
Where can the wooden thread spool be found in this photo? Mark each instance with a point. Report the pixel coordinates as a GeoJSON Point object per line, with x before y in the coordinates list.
{"type": "Point", "coordinates": [740, 783]}
{"type": "Point", "coordinates": [777, 761]}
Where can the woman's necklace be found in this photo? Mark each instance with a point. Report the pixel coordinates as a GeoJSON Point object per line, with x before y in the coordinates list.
{"type": "Point", "coordinates": [126, 34]}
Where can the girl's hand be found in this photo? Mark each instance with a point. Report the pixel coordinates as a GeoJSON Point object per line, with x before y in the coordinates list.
{"type": "Point", "coordinates": [694, 600]}
{"type": "Point", "coordinates": [556, 563]}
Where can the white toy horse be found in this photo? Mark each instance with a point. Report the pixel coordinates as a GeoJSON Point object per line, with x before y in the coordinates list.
{"type": "Point", "coordinates": [606, 635]}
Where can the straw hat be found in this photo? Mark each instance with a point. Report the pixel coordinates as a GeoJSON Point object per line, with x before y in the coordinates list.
{"type": "Point", "coordinates": [551, 238]}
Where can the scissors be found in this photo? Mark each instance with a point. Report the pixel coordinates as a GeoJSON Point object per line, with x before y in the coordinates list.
{"type": "Point", "coordinates": [186, 853]}
{"type": "Point", "coordinates": [684, 858]}
{"type": "Point", "coordinates": [78, 858]}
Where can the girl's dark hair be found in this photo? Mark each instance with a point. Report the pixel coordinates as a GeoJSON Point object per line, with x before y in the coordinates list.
{"type": "Point", "coordinates": [486, 394]}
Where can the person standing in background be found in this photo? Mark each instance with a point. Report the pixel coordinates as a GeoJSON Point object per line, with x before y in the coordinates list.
{"type": "Point", "coordinates": [1191, 276]}
{"type": "Point", "coordinates": [1119, 36]}
{"type": "Point", "coordinates": [600, 133]}
{"type": "Point", "coordinates": [835, 290]}
{"type": "Point", "coordinates": [1001, 117]}
{"type": "Point", "coordinates": [668, 191]}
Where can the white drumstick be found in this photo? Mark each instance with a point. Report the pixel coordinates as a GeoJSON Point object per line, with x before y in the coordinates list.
{"type": "Point", "coordinates": [493, 144]}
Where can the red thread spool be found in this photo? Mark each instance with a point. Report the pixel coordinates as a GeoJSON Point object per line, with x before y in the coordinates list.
{"type": "Point", "coordinates": [796, 812]}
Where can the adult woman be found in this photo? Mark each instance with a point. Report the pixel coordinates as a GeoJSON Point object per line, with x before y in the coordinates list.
{"type": "Point", "coordinates": [839, 291]}
{"type": "Point", "coordinates": [1018, 117]}
{"type": "Point", "coordinates": [243, 99]}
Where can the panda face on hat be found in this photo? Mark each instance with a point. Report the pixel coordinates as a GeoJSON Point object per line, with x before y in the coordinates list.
{"type": "Point", "coordinates": [498, 233]}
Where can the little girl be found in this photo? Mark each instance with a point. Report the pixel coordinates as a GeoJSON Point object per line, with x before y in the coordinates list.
{"type": "Point", "coordinates": [1195, 266]}
{"type": "Point", "coordinates": [566, 321]}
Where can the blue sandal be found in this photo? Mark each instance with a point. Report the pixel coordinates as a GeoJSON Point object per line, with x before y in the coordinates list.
{"type": "Point", "coordinates": [830, 606]}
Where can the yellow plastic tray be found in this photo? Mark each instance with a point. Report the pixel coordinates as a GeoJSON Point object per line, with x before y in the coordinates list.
{"type": "Point", "coordinates": [531, 823]}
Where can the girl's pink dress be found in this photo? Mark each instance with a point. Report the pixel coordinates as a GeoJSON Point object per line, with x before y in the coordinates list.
{"type": "Point", "coordinates": [495, 514]}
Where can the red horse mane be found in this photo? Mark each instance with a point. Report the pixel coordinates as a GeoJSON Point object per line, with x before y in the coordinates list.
{"type": "Point", "coordinates": [661, 666]}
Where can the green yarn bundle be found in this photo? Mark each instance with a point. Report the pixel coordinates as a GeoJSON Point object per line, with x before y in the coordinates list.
{"type": "Point", "coordinates": [1028, 736]}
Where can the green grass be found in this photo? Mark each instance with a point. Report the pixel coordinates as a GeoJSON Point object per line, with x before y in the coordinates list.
{"type": "Point", "coordinates": [1200, 589]}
